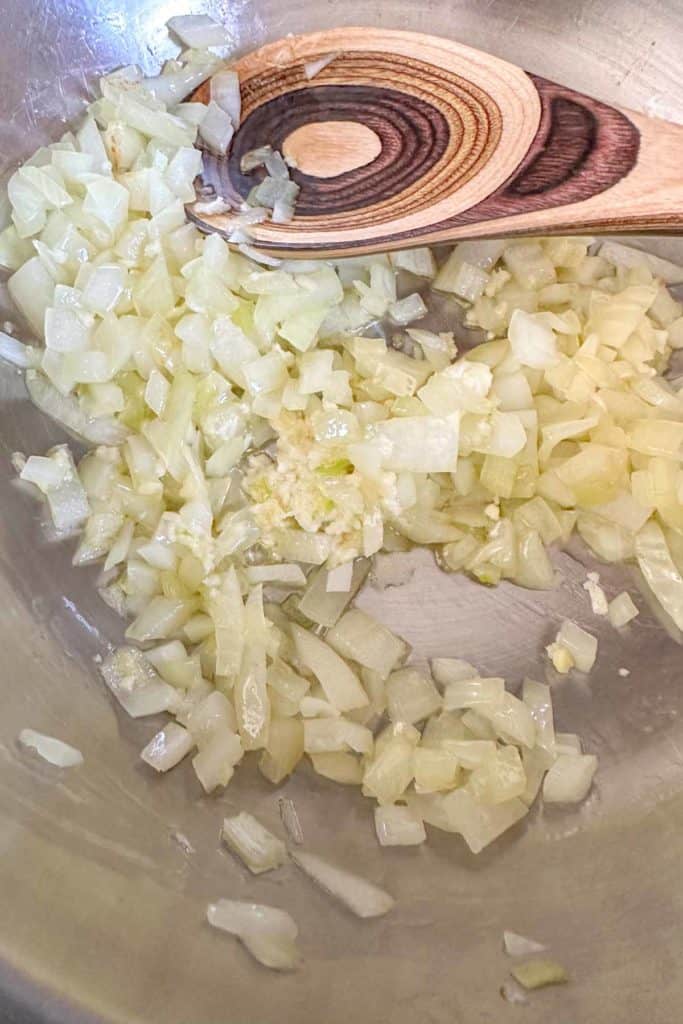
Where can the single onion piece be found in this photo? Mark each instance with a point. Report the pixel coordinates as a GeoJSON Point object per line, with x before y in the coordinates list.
{"type": "Point", "coordinates": [361, 897]}
{"type": "Point", "coordinates": [398, 826]}
{"type": "Point", "coordinates": [339, 580]}
{"type": "Point", "coordinates": [256, 847]}
{"type": "Point", "coordinates": [314, 67]}
{"type": "Point", "coordinates": [268, 933]}
{"type": "Point", "coordinates": [15, 352]}
{"type": "Point", "coordinates": [58, 753]}
{"type": "Point", "coordinates": [519, 945]}
{"type": "Point", "coordinates": [216, 129]}
{"type": "Point", "coordinates": [582, 646]}
{"type": "Point", "coordinates": [621, 610]}
{"type": "Point", "coordinates": [225, 91]}
{"type": "Point", "coordinates": [371, 644]}
{"type": "Point", "coordinates": [282, 574]}
{"type": "Point", "coordinates": [539, 973]}
{"type": "Point", "coordinates": [170, 745]}
{"type": "Point", "coordinates": [569, 779]}
{"type": "Point", "coordinates": [199, 30]}
{"type": "Point", "coordinates": [290, 820]}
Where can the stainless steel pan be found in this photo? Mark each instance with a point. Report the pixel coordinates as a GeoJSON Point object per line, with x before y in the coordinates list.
{"type": "Point", "coordinates": [102, 902]}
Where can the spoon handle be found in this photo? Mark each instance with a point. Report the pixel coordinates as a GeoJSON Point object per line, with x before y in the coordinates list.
{"type": "Point", "coordinates": [406, 140]}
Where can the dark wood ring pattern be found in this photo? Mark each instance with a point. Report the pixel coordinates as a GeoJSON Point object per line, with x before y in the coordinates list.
{"type": "Point", "coordinates": [582, 147]}
{"type": "Point", "coordinates": [435, 135]}
{"type": "Point", "coordinates": [413, 134]}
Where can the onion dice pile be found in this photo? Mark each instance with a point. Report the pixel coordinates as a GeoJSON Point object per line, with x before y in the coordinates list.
{"type": "Point", "coordinates": [256, 438]}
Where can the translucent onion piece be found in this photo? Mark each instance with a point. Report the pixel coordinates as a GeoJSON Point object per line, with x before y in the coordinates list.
{"type": "Point", "coordinates": [135, 684]}
{"type": "Point", "coordinates": [582, 646]}
{"type": "Point", "coordinates": [519, 945]}
{"type": "Point", "coordinates": [398, 826]}
{"type": "Point", "coordinates": [267, 932]}
{"type": "Point", "coordinates": [67, 411]}
{"type": "Point", "coordinates": [314, 67]}
{"type": "Point", "coordinates": [361, 897]}
{"type": "Point", "coordinates": [539, 973]}
{"type": "Point", "coordinates": [58, 753]}
{"type": "Point", "coordinates": [15, 352]}
{"type": "Point", "coordinates": [569, 779]}
{"type": "Point", "coordinates": [198, 30]}
{"type": "Point", "coordinates": [258, 848]}
{"type": "Point", "coordinates": [660, 572]}
{"type": "Point", "coordinates": [170, 745]}
{"type": "Point", "coordinates": [359, 637]}
{"type": "Point", "coordinates": [290, 820]}
{"type": "Point", "coordinates": [621, 610]}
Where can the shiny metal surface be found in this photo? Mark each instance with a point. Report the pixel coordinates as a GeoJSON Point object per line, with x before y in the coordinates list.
{"type": "Point", "coordinates": [103, 902]}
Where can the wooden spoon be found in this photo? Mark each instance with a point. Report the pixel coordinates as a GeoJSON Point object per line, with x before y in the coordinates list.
{"type": "Point", "coordinates": [405, 140]}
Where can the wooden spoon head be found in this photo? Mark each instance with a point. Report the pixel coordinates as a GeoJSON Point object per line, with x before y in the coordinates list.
{"type": "Point", "coordinates": [406, 139]}
{"type": "Point", "coordinates": [398, 132]}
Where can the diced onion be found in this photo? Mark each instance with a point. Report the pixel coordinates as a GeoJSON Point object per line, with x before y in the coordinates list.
{"type": "Point", "coordinates": [58, 753]}
{"type": "Point", "coordinates": [170, 745]}
{"type": "Point", "coordinates": [258, 848]}
{"type": "Point", "coordinates": [398, 826]}
{"type": "Point", "coordinates": [267, 932]}
{"type": "Point", "coordinates": [539, 974]}
{"type": "Point", "coordinates": [520, 945]}
{"type": "Point", "coordinates": [361, 897]}
{"type": "Point", "coordinates": [569, 779]}
{"type": "Point", "coordinates": [314, 67]}
{"type": "Point", "coordinates": [197, 30]}
{"type": "Point", "coordinates": [621, 610]}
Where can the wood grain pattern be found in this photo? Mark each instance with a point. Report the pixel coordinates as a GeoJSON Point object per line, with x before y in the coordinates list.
{"type": "Point", "coordinates": [467, 145]}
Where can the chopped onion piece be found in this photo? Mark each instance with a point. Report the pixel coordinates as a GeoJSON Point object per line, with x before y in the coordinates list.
{"type": "Point", "coordinates": [326, 607]}
{"type": "Point", "coordinates": [626, 256]}
{"type": "Point", "coordinates": [135, 684]}
{"type": "Point", "coordinates": [216, 129]}
{"type": "Point", "coordinates": [282, 574]}
{"type": "Point", "coordinates": [519, 945]}
{"type": "Point", "coordinates": [168, 747]}
{"type": "Point", "coordinates": [451, 670]}
{"type": "Point", "coordinates": [569, 779]}
{"type": "Point", "coordinates": [361, 897]}
{"type": "Point", "coordinates": [290, 820]}
{"type": "Point", "coordinates": [338, 766]}
{"type": "Point", "coordinates": [339, 580]}
{"type": "Point", "coordinates": [327, 735]}
{"type": "Point", "coordinates": [199, 30]}
{"type": "Point", "coordinates": [268, 933]}
{"type": "Point", "coordinates": [15, 352]}
{"type": "Point", "coordinates": [214, 765]}
{"type": "Point", "coordinates": [598, 598]}
{"type": "Point", "coordinates": [359, 637]}
{"type": "Point", "coordinates": [582, 646]}
{"type": "Point", "coordinates": [411, 697]}
{"type": "Point", "coordinates": [659, 570]}
{"type": "Point", "coordinates": [314, 67]}
{"type": "Point", "coordinates": [58, 753]}
{"type": "Point", "coordinates": [622, 609]}
{"type": "Point", "coordinates": [342, 687]}
{"type": "Point", "coordinates": [258, 848]}
{"type": "Point", "coordinates": [539, 974]}
{"type": "Point", "coordinates": [398, 826]}
{"type": "Point", "coordinates": [468, 693]}
{"type": "Point", "coordinates": [225, 91]}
